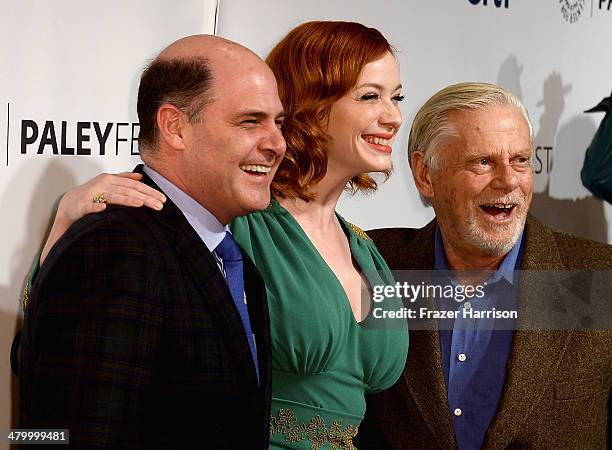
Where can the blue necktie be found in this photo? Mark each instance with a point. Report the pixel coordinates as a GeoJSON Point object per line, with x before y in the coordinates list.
{"type": "Point", "coordinates": [229, 252]}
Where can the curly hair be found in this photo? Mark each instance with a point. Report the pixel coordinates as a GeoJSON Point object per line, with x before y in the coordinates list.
{"type": "Point", "coordinates": [315, 65]}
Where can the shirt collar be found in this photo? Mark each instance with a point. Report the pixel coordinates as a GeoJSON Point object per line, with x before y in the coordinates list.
{"type": "Point", "coordinates": [205, 224]}
{"type": "Point", "coordinates": [509, 264]}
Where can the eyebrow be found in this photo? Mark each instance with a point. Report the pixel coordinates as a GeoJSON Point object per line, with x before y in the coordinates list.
{"type": "Point", "coordinates": [377, 86]}
{"type": "Point", "coordinates": [260, 114]}
{"type": "Point", "coordinates": [494, 152]}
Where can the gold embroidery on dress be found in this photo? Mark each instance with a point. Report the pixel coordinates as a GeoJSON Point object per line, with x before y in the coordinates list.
{"type": "Point", "coordinates": [26, 295]}
{"type": "Point", "coordinates": [315, 431]}
{"type": "Point", "coordinates": [359, 232]}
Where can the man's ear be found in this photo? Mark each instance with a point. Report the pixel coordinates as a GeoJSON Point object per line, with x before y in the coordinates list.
{"type": "Point", "coordinates": [421, 173]}
{"type": "Point", "coordinates": [172, 124]}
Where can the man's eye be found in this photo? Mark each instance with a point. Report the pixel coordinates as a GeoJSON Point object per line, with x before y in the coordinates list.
{"type": "Point", "coordinates": [484, 162]}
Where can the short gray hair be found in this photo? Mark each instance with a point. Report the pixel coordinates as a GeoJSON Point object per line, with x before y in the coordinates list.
{"type": "Point", "coordinates": [432, 123]}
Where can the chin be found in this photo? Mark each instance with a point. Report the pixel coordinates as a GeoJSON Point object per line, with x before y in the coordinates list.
{"type": "Point", "coordinates": [494, 241]}
{"type": "Point", "coordinates": [259, 202]}
{"type": "Point", "coordinates": [379, 166]}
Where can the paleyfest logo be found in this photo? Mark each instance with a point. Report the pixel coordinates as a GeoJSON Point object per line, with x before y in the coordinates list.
{"type": "Point", "coordinates": [571, 9]}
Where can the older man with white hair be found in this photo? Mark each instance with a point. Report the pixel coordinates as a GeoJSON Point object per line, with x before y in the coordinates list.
{"type": "Point", "coordinates": [468, 387]}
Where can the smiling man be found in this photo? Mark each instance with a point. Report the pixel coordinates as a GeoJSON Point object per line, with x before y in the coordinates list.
{"type": "Point", "coordinates": [480, 183]}
{"type": "Point", "coordinates": [467, 386]}
{"type": "Point", "coordinates": [149, 329]}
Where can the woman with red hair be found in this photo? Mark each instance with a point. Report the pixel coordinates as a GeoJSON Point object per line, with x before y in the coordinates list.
{"type": "Point", "coordinates": [339, 83]}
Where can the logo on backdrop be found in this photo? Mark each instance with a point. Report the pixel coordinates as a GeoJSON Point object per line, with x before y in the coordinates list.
{"type": "Point", "coordinates": [605, 5]}
{"type": "Point", "coordinates": [69, 138]}
{"type": "Point", "coordinates": [497, 3]}
{"type": "Point", "coordinates": [61, 137]}
{"type": "Point", "coordinates": [542, 162]}
{"type": "Point", "coordinates": [572, 9]}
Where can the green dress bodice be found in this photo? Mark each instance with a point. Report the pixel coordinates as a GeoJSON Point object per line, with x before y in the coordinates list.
{"type": "Point", "coordinates": [323, 360]}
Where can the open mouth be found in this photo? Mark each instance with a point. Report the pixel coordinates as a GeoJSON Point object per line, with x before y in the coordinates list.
{"type": "Point", "coordinates": [255, 169]}
{"type": "Point", "coordinates": [378, 143]}
{"type": "Point", "coordinates": [499, 211]}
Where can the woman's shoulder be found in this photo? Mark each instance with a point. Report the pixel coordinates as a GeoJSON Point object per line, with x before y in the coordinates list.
{"type": "Point", "coordinates": [267, 233]}
{"type": "Point", "coordinates": [358, 232]}
{"type": "Point", "coordinates": [260, 224]}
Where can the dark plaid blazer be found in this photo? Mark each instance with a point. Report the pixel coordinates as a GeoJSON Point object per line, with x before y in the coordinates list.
{"type": "Point", "coordinates": [557, 387]}
{"type": "Point", "coordinates": [131, 339]}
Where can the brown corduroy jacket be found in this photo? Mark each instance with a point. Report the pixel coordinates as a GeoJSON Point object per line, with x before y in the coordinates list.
{"type": "Point", "coordinates": [558, 383]}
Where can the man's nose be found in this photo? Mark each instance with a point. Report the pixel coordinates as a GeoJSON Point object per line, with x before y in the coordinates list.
{"type": "Point", "coordinates": [275, 141]}
{"type": "Point", "coordinates": [505, 178]}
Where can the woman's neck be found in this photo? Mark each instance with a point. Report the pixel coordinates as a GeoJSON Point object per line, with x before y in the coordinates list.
{"type": "Point", "coordinates": [319, 213]}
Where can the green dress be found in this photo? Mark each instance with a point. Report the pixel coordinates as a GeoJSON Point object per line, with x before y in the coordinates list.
{"type": "Point", "coordinates": [323, 360]}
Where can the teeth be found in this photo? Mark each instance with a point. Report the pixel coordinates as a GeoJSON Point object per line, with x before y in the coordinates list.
{"type": "Point", "coordinates": [255, 168]}
{"type": "Point", "coordinates": [499, 205]}
{"type": "Point", "coordinates": [377, 140]}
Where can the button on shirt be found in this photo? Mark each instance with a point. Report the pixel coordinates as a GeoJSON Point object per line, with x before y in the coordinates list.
{"type": "Point", "coordinates": [475, 351]}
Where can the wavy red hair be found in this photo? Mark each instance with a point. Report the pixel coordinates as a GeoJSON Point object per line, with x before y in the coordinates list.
{"type": "Point", "coordinates": [315, 65]}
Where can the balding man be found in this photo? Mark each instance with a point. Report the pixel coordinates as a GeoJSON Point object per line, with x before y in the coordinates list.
{"type": "Point", "coordinates": [149, 329]}
{"type": "Point", "coordinates": [497, 384]}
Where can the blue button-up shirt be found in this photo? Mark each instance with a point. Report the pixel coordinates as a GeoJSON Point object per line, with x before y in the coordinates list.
{"type": "Point", "coordinates": [475, 351]}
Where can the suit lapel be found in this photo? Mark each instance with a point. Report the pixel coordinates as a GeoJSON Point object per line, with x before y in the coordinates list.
{"type": "Point", "coordinates": [428, 390]}
{"type": "Point", "coordinates": [258, 313]}
{"type": "Point", "coordinates": [536, 354]}
{"type": "Point", "coordinates": [202, 266]}
{"type": "Point", "coordinates": [260, 323]}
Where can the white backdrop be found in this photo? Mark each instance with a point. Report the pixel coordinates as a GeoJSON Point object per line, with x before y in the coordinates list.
{"type": "Point", "coordinates": [71, 62]}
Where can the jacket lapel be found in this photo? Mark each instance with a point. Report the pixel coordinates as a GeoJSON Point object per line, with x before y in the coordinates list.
{"type": "Point", "coordinates": [260, 323]}
{"type": "Point", "coordinates": [536, 354]}
{"type": "Point", "coordinates": [428, 390]}
{"type": "Point", "coordinates": [258, 313]}
{"type": "Point", "coordinates": [204, 269]}
{"type": "Point", "coordinates": [202, 266]}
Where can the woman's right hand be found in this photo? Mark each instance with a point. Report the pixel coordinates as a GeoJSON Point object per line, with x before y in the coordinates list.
{"type": "Point", "coordinates": [120, 189]}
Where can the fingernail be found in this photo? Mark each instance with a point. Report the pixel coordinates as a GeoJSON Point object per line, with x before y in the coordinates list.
{"type": "Point", "coordinates": [158, 206]}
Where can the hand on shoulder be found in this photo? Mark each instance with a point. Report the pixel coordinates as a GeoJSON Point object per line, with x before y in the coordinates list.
{"type": "Point", "coordinates": [92, 197]}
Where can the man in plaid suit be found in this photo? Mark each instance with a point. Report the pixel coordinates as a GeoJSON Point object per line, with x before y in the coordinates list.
{"type": "Point", "coordinates": [133, 335]}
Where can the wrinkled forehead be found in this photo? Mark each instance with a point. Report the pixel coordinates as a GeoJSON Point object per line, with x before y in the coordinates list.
{"type": "Point", "coordinates": [491, 133]}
